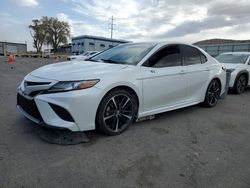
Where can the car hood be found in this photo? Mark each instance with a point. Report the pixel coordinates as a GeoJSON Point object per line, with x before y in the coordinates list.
{"type": "Point", "coordinates": [81, 57]}
{"type": "Point", "coordinates": [74, 70]}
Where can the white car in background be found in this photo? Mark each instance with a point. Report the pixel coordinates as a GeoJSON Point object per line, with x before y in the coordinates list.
{"type": "Point", "coordinates": [239, 64]}
{"type": "Point", "coordinates": [82, 56]}
{"type": "Point", "coordinates": [120, 85]}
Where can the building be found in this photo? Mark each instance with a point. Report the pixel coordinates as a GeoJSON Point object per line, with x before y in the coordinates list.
{"type": "Point", "coordinates": [12, 48]}
{"type": "Point", "coordinates": [85, 43]}
{"type": "Point", "coordinates": [216, 46]}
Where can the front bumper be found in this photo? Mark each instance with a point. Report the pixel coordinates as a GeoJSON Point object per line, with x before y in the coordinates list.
{"type": "Point", "coordinates": [81, 105]}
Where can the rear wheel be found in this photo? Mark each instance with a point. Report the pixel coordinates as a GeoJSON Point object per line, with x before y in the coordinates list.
{"type": "Point", "coordinates": [213, 93]}
{"type": "Point", "coordinates": [240, 84]}
{"type": "Point", "coordinates": [116, 112]}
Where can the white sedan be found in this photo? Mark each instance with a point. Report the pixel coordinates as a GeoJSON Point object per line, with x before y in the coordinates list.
{"type": "Point", "coordinates": [82, 56]}
{"type": "Point", "coordinates": [120, 85]}
{"type": "Point", "coordinates": [239, 64]}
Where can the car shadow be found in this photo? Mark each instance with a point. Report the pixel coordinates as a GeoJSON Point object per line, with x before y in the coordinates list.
{"type": "Point", "coordinates": [232, 92]}
{"type": "Point", "coordinates": [66, 137]}
{"type": "Point", "coordinates": [248, 90]}
{"type": "Point", "coordinates": [88, 138]}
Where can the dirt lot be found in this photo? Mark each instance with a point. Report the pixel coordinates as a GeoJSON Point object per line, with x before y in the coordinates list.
{"type": "Point", "coordinates": [192, 147]}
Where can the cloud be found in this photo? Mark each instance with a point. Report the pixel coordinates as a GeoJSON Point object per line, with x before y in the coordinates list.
{"type": "Point", "coordinates": [192, 27]}
{"type": "Point", "coordinates": [162, 20]}
{"type": "Point", "coordinates": [79, 27]}
{"type": "Point", "coordinates": [142, 20]}
{"type": "Point", "coordinates": [11, 26]}
{"type": "Point", "coordinates": [27, 3]}
{"type": "Point", "coordinates": [4, 14]}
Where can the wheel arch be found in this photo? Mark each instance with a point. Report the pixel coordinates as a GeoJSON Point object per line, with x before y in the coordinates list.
{"type": "Point", "coordinates": [128, 88]}
{"type": "Point", "coordinates": [220, 84]}
{"type": "Point", "coordinates": [243, 72]}
{"type": "Point", "coordinates": [125, 87]}
{"type": "Point", "coordinates": [213, 78]}
{"type": "Point", "coordinates": [218, 79]}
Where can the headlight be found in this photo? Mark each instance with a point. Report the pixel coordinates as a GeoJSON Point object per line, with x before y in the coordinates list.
{"type": "Point", "coordinates": [73, 85]}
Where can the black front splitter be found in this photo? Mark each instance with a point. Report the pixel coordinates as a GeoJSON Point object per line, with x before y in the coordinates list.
{"type": "Point", "coordinates": [61, 136]}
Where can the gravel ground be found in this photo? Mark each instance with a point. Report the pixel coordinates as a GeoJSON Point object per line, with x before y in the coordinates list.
{"type": "Point", "coordinates": [192, 147]}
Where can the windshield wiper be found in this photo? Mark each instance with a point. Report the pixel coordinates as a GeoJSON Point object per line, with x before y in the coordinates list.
{"type": "Point", "coordinates": [91, 60]}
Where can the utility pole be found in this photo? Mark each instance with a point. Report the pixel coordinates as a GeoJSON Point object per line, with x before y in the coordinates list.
{"type": "Point", "coordinates": [112, 27]}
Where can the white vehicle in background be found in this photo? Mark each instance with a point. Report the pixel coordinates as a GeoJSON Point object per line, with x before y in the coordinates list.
{"type": "Point", "coordinates": [239, 64]}
{"type": "Point", "coordinates": [47, 53]}
{"type": "Point", "coordinates": [117, 86]}
{"type": "Point", "coordinates": [82, 56]}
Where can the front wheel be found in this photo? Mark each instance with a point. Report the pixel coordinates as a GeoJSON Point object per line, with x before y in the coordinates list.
{"type": "Point", "coordinates": [212, 94]}
{"type": "Point", "coordinates": [116, 112]}
{"type": "Point", "coordinates": [240, 84]}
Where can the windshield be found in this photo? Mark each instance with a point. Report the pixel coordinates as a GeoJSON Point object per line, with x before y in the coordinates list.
{"type": "Point", "coordinates": [130, 54]}
{"type": "Point", "coordinates": [232, 58]}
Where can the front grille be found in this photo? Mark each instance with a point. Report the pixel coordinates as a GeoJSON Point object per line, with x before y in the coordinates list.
{"type": "Point", "coordinates": [36, 88]}
{"type": "Point", "coordinates": [28, 83]}
{"type": "Point", "coordinates": [34, 93]}
{"type": "Point", "coordinates": [29, 106]}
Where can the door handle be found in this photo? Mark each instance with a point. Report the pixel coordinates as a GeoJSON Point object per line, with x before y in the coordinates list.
{"type": "Point", "coordinates": [152, 71]}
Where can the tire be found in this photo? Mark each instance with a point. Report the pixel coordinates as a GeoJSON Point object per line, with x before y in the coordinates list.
{"type": "Point", "coordinates": [240, 84]}
{"type": "Point", "coordinates": [212, 94]}
{"type": "Point", "coordinates": [116, 112]}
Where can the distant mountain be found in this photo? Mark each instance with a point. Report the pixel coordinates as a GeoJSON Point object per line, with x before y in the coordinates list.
{"type": "Point", "coordinates": [220, 41]}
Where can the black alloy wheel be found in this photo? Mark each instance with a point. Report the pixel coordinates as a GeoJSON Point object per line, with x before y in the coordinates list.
{"type": "Point", "coordinates": [241, 84]}
{"type": "Point", "coordinates": [213, 93]}
{"type": "Point", "coordinates": [116, 112]}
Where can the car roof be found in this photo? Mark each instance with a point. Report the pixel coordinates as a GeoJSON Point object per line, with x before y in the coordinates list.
{"type": "Point", "coordinates": [161, 43]}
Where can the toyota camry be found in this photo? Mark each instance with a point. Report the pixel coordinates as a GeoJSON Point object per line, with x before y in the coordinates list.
{"type": "Point", "coordinates": [120, 85]}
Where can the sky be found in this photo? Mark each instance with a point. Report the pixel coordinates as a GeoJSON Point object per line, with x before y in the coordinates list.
{"type": "Point", "coordinates": [135, 20]}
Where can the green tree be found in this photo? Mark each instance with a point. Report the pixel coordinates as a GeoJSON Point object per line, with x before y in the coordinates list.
{"type": "Point", "coordinates": [58, 32]}
{"type": "Point", "coordinates": [38, 31]}
{"type": "Point", "coordinates": [49, 30]}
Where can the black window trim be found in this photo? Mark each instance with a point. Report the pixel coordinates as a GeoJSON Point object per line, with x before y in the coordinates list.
{"type": "Point", "coordinates": [203, 55]}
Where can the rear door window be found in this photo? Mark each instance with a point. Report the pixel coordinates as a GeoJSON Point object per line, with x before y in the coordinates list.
{"type": "Point", "coordinates": [192, 56]}
{"type": "Point", "coordinates": [169, 56]}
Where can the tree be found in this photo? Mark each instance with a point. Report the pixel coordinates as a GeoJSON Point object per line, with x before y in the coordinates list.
{"type": "Point", "coordinates": [49, 30]}
{"type": "Point", "coordinates": [38, 32]}
{"type": "Point", "coordinates": [58, 32]}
